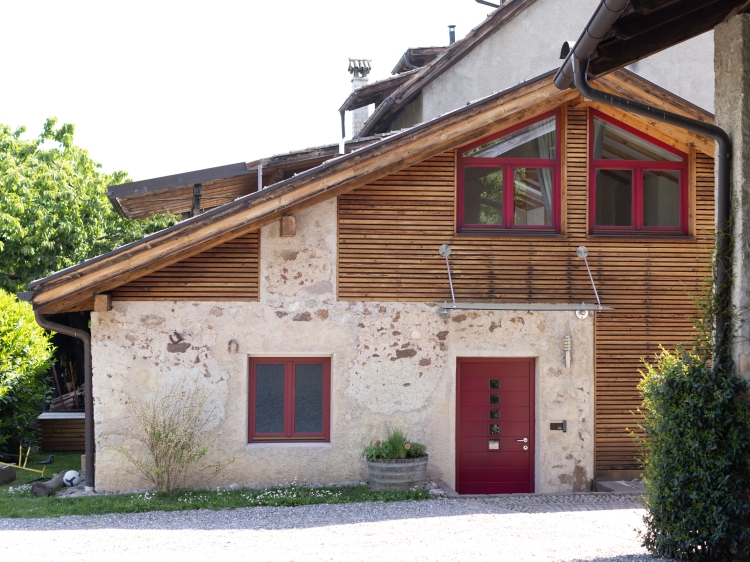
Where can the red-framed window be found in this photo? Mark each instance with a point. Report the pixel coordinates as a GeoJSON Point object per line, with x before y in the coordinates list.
{"type": "Point", "coordinates": [639, 184]}
{"type": "Point", "coordinates": [290, 399]}
{"type": "Point", "coordinates": [510, 181]}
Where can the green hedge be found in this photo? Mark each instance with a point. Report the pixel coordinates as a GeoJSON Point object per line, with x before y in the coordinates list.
{"type": "Point", "coordinates": [25, 353]}
{"type": "Point", "coordinates": [697, 447]}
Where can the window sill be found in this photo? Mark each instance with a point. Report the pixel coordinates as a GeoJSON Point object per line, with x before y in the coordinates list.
{"type": "Point", "coordinates": [642, 236]}
{"type": "Point", "coordinates": [512, 234]}
{"type": "Point", "coordinates": [276, 444]}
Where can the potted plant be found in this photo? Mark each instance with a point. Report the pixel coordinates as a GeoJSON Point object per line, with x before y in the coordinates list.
{"type": "Point", "coordinates": [397, 463]}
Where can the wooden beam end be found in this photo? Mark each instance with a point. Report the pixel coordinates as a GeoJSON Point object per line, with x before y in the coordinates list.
{"type": "Point", "coordinates": [102, 303]}
{"type": "Point", "coordinates": [288, 226]}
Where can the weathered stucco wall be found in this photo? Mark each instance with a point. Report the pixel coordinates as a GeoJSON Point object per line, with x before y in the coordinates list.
{"type": "Point", "coordinates": [733, 115]}
{"type": "Point", "coordinates": [393, 364]}
{"type": "Point", "coordinates": [529, 45]}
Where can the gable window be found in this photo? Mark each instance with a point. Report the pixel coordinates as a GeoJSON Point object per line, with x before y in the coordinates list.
{"type": "Point", "coordinates": [510, 181]}
{"type": "Point", "coordinates": [289, 399]}
{"type": "Point", "coordinates": [640, 183]}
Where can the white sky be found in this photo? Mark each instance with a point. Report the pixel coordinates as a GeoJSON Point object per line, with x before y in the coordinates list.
{"type": "Point", "coordinates": [157, 88]}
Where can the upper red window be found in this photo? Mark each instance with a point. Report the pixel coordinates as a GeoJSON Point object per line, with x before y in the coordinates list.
{"type": "Point", "coordinates": [639, 183]}
{"type": "Point", "coordinates": [290, 399]}
{"type": "Point", "coordinates": [510, 181]}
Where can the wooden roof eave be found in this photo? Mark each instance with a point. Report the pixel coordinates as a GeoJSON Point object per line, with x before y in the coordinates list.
{"type": "Point", "coordinates": [66, 289]}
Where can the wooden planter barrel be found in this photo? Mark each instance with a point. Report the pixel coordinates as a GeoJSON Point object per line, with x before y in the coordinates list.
{"type": "Point", "coordinates": [397, 474]}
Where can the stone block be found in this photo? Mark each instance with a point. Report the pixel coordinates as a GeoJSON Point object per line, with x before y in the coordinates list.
{"type": "Point", "coordinates": [7, 474]}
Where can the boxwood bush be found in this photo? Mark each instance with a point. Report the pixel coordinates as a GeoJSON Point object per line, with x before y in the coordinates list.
{"type": "Point", "coordinates": [25, 353]}
{"type": "Point", "coordinates": [696, 452]}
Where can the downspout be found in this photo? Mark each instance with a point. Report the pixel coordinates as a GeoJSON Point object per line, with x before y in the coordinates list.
{"type": "Point", "coordinates": [85, 337]}
{"type": "Point", "coordinates": [723, 198]}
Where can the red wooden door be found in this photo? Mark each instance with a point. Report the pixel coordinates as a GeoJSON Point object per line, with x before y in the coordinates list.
{"type": "Point", "coordinates": [495, 414]}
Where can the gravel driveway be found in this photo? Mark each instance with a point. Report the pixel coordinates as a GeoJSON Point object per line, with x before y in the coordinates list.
{"type": "Point", "coordinates": [445, 529]}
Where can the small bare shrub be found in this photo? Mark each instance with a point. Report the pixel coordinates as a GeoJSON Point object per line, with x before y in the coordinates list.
{"type": "Point", "coordinates": [172, 426]}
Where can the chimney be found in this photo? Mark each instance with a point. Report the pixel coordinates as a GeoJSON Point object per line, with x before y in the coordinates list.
{"type": "Point", "coordinates": [452, 34]}
{"type": "Point", "coordinates": [359, 69]}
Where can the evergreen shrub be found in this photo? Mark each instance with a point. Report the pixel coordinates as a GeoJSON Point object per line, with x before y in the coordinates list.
{"type": "Point", "coordinates": [696, 452]}
{"type": "Point", "coordinates": [25, 353]}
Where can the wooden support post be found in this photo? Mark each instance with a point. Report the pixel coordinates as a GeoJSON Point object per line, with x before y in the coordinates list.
{"type": "Point", "coordinates": [197, 194]}
{"type": "Point", "coordinates": [288, 226]}
{"type": "Point", "coordinates": [102, 303]}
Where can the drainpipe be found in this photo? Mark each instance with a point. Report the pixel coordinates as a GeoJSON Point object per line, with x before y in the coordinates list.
{"type": "Point", "coordinates": [85, 337]}
{"type": "Point", "coordinates": [723, 203]}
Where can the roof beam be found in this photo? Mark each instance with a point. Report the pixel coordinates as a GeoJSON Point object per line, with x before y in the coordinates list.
{"type": "Point", "coordinates": [614, 54]}
{"type": "Point", "coordinates": [647, 7]}
{"type": "Point", "coordinates": [638, 24]}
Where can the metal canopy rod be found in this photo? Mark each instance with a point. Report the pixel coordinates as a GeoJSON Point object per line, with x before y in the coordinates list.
{"type": "Point", "coordinates": [445, 250]}
{"type": "Point", "coordinates": [539, 306]}
{"type": "Point", "coordinates": [583, 252]}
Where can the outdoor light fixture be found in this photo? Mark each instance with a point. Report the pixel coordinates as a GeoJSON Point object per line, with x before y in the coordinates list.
{"type": "Point", "coordinates": [566, 348]}
{"type": "Point", "coordinates": [583, 252]}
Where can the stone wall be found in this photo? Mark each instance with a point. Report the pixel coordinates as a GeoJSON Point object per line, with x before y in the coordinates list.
{"type": "Point", "coordinates": [393, 364]}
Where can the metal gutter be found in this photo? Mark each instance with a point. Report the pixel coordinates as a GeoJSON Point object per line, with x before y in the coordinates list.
{"type": "Point", "coordinates": [85, 337]}
{"type": "Point", "coordinates": [596, 29]}
{"type": "Point", "coordinates": [723, 161]}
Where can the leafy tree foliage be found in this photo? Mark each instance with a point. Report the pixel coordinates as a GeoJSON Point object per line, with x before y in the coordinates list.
{"type": "Point", "coordinates": [25, 353]}
{"type": "Point", "coordinates": [697, 449]}
{"type": "Point", "coordinates": [53, 211]}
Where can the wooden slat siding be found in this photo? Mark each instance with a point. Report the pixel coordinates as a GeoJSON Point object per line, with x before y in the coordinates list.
{"type": "Point", "coordinates": [228, 272]}
{"type": "Point", "coordinates": [633, 332]}
{"type": "Point", "coordinates": [390, 230]}
{"type": "Point", "coordinates": [228, 190]}
{"type": "Point", "coordinates": [61, 434]}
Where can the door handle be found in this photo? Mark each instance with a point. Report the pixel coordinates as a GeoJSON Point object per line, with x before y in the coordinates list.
{"type": "Point", "coordinates": [524, 440]}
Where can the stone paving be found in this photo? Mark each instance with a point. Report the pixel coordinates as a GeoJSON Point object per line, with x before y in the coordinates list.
{"type": "Point", "coordinates": [550, 503]}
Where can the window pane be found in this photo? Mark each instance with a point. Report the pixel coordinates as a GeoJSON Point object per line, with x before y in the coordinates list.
{"type": "Point", "coordinates": [534, 141]}
{"type": "Point", "coordinates": [269, 398]}
{"type": "Point", "coordinates": [532, 196]}
{"type": "Point", "coordinates": [614, 143]}
{"type": "Point", "coordinates": [614, 198]}
{"type": "Point", "coordinates": [308, 398]}
{"type": "Point", "coordinates": [661, 198]}
{"type": "Point", "coordinates": [483, 195]}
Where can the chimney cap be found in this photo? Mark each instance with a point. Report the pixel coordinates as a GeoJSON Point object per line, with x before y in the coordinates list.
{"type": "Point", "coordinates": [359, 67]}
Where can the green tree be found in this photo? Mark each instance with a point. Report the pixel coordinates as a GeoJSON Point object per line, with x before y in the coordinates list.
{"type": "Point", "coordinates": [25, 353]}
{"type": "Point", "coordinates": [54, 212]}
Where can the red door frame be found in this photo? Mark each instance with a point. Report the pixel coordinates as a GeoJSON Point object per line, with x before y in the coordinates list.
{"type": "Point", "coordinates": [532, 407]}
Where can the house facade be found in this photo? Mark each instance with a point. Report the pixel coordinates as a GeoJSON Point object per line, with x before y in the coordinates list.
{"type": "Point", "coordinates": [516, 42]}
{"type": "Point", "coordinates": [318, 312]}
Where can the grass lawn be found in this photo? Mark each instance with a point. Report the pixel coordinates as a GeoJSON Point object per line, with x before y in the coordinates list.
{"type": "Point", "coordinates": [16, 499]}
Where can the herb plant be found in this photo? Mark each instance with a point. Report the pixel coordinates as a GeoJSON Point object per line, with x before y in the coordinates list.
{"type": "Point", "coordinates": [396, 446]}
